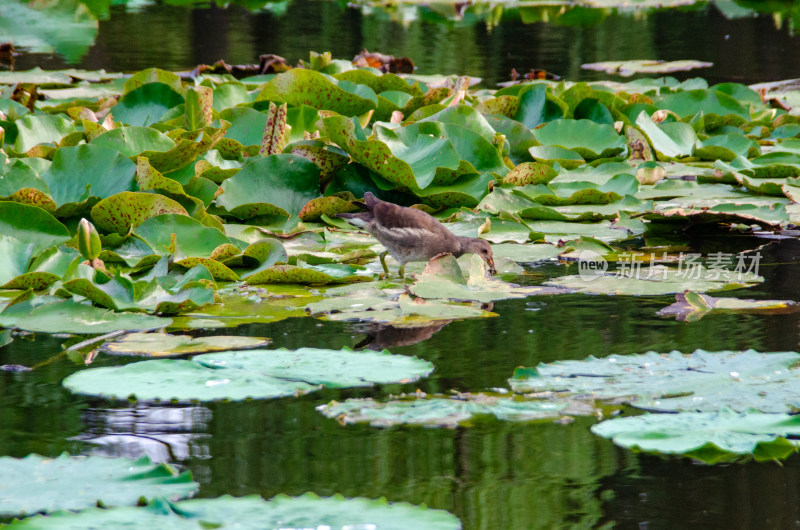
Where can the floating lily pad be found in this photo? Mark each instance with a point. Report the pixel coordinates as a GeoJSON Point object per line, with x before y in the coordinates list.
{"type": "Point", "coordinates": [163, 345]}
{"type": "Point", "coordinates": [43, 484]}
{"type": "Point", "coordinates": [300, 86]}
{"type": "Point", "coordinates": [53, 315]}
{"type": "Point", "coordinates": [589, 139]}
{"type": "Point", "coordinates": [273, 185]}
{"type": "Point", "coordinates": [710, 437]}
{"type": "Point", "coordinates": [444, 411]}
{"type": "Point", "coordinates": [628, 68]}
{"type": "Point", "coordinates": [701, 381]}
{"type": "Point", "coordinates": [257, 374]}
{"type": "Point", "coordinates": [443, 279]}
{"type": "Point", "coordinates": [305, 511]}
{"type": "Point", "coordinates": [653, 279]}
{"type": "Point", "coordinates": [31, 225]}
{"type": "Point", "coordinates": [691, 306]}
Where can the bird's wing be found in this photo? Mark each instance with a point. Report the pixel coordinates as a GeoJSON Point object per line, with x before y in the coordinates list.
{"type": "Point", "coordinates": [391, 215]}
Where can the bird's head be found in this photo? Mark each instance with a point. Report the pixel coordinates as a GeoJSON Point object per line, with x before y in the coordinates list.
{"type": "Point", "coordinates": [482, 248]}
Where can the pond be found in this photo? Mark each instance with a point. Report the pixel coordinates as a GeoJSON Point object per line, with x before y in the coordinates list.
{"type": "Point", "coordinates": [491, 474]}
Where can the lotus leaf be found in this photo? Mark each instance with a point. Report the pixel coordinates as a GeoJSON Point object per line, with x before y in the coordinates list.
{"type": "Point", "coordinates": [589, 139]}
{"type": "Point", "coordinates": [84, 172]}
{"type": "Point", "coordinates": [35, 129]}
{"type": "Point", "coordinates": [442, 411]}
{"type": "Point", "coordinates": [710, 437]}
{"type": "Point", "coordinates": [443, 279]}
{"type": "Point", "coordinates": [31, 225]}
{"type": "Point", "coordinates": [691, 306]}
{"type": "Point", "coordinates": [551, 155]}
{"type": "Point", "coordinates": [388, 306]}
{"type": "Point", "coordinates": [181, 235]}
{"type": "Point", "coordinates": [43, 484]}
{"type": "Point", "coordinates": [670, 140]}
{"type": "Point", "coordinates": [628, 68]}
{"type": "Point", "coordinates": [412, 165]}
{"type": "Point", "coordinates": [633, 278]}
{"type": "Point", "coordinates": [258, 374]}
{"type": "Point", "coordinates": [146, 105]}
{"type": "Point", "coordinates": [701, 381]}
{"type": "Point", "coordinates": [124, 211]}
{"type": "Point", "coordinates": [163, 345]}
{"type": "Point", "coordinates": [535, 106]}
{"type": "Point", "coordinates": [709, 101]}
{"type": "Point", "coordinates": [273, 185]}
{"type": "Point", "coordinates": [309, 275]}
{"type": "Point", "coordinates": [304, 511]}
{"type": "Point", "coordinates": [299, 86]}
{"type": "Point", "coordinates": [132, 141]}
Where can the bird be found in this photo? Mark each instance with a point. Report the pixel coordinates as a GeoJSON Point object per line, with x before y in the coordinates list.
{"type": "Point", "coordinates": [413, 235]}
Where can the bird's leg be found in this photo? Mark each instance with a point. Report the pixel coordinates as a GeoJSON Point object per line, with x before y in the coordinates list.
{"type": "Point", "coordinates": [402, 271]}
{"type": "Point", "coordinates": [382, 256]}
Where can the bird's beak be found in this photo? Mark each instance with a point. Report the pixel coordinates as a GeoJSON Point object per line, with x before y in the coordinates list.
{"type": "Point", "coordinates": [492, 270]}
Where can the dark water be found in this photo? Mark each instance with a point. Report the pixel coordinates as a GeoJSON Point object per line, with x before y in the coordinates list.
{"type": "Point", "coordinates": [492, 475]}
{"type": "Point", "coordinates": [746, 49]}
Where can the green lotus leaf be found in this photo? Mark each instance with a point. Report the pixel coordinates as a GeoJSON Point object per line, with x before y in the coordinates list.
{"type": "Point", "coordinates": [164, 345]}
{"type": "Point", "coordinates": [274, 185]}
{"type": "Point", "coordinates": [309, 275]}
{"type": "Point", "coordinates": [589, 139]}
{"type": "Point", "coordinates": [153, 75]}
{"type": "Point", "coordinates": [763, 186]}
{"type": "Point", "coordinates": [247, 305]}
{"type": "Point", "coordinates": [691, 306]}
{"type": "Point", "coordinates": [82, 174]}
{"type": "Point", "coordinates": [442, 410]}
{"type": "Point", "coordinates": [467, 191]}
{"type": "Point", "coordinates": [519, 137]}
{"type": "Point", "coordinates": [52, 315]}
{"type": "Point", "coordinates": [218, 270]}
{"type": "Point", "coordinates": [477, 153]}
{"type": "Point", "coordinates": [727, 147]}
{"type": "Point", "coordinates": [654, 280]}
{"type": "Point", "coordinates": [701, 381]}
{"type": "Point", "coordinates": [247, 125]}
{"type": "Point", "coordinates": [48, 267]}
{"type": "Point", "coordinates": [466, 117]}
{"type": "Point", "coordinates": [327, 158]}
{"type": "Point", "coordinates": [536, 106]}
{"type": "Point", "coordinates": [389, 306]}
{"type": "Point", "coordinates": [45, 484]}
{"type": "Point", "coordinates": [146, 105]}
{"type": "Point", "coordinates": [213, 167]}
{"type": "Point", "coordinates": [254, 512]}
{"type": "Point", "coordinates": [180, 235]}
{"type": "Point", "coordinates": [670, 140]}
{"type": "Point", "coordinates": [711, 437]}
{"type": "Point", "coordinates": [768, 212]}
{"type": "Point", "coordinates": [412, 165]}
{"type": "Point", "coordinates": [230, 94]}
{"type": "Point", "coordinates": [379, 83]}
{"type": "Point", "coordinates": [35, 129]}
{"type": "Point", "coordinates": [592, 110]}
{"type": "Point", "coordinates": [155, 296]}
{"type": "Point", "coordinates": [17, 176]}
{"type": "Point", "coordinates": [506, 106]}
{"type": "Point", "coordinates": [443, 279]}
{"type": "Point", "coordinates": [530, 173]}
{"type": "Point", "coordinates": [31, 225]}
{"type": "Point", "coordinates": [299, 86]}
{"type": "Point", "coordinates": [550, 155]}
{"type": "Point", "coordinates": [257, 374]}
{"type": "Point", "coordinates": [671, 188]}
{"type": "Point", "coordinates": [316, 208]}
{"type": "Point", "coordinates": [777, 164]}
{"type": "Point", "coordinates": [132, 141]}
{"type": "Point", "coordinates": [709, 101]}
{"type": "Point", "coordinates": [186, 150]}
{"type": "Point", "coordinates": [124, 211]}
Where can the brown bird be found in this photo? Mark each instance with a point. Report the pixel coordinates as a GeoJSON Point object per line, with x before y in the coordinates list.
{"type": "Point", "coordinates": [412, 235]}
